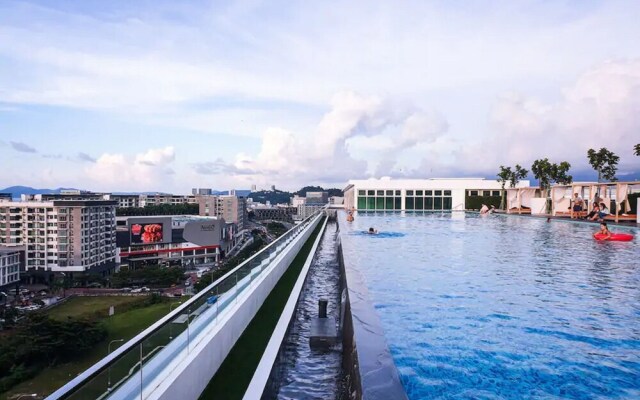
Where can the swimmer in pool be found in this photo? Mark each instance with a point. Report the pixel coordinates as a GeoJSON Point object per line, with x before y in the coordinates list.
{"type": "Point", "coordinates": [350, 216]}
{"type": "Point", "coordinates": [604, 230]}
{"type": "Point", "coordinates": [373, 231]}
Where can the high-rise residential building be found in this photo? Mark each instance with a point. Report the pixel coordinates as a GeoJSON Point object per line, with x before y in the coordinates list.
{"type": "Point", "coordinates": [125, 200]}
{"type": "Point", "coordinates": [63, 195]}
{"type": "Point", "coordinates": [201, 192]}
{"type": "Point", "coordinates": [61, 235]}
{"type": "Point", "coordinates": [230, 208]}
{"type": "Point", "coordinates": [253, 188]}
{"type": "Point", "coordinates": [165, 198]}
{"type": "Point", "coordinates": [317, 198]}
{"type": "Point", "coordinates": [273, 188]}
{"type": "Point", "coordinates": [298, 200]}
{"type": "Point", "coordinates": [10, 262]}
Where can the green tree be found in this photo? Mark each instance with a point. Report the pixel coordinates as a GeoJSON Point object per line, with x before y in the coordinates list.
{"type": "Point", "coordinates": [506, 174]}
{"type": "Point", "coordinates": [38, 342]}
{"type": "Point", "coordinates": [636, 149]}
{"type": "Point", "coordinates": [547, 173]}
{"type": "Point", "coordinates": [605, 162]}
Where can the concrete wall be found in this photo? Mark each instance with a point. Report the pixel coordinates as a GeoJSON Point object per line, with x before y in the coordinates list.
{"type": "Point", "coordinates": [188, 381]}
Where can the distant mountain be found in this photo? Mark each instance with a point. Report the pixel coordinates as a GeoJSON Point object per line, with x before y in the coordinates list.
{"type": "Point", "coordinates": [17, 191]}
{"type": "Point", "coordinates": [280, 197]}
{"type": "Point", "coordinates": [273, 197]}
{"type": "Point", "coordinates": [330, 192]}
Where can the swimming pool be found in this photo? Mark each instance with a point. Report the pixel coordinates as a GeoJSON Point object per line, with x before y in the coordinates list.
{"type": "Point", "coordinates": [489, 307]}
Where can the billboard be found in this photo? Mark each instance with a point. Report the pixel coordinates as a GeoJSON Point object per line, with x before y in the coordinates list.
{"type": "Point", "coordinates": [142, 233]}
{"type": "Point", "coordinates": [204, 232]}
{"type": "Point", "coordinates": [149, 230]}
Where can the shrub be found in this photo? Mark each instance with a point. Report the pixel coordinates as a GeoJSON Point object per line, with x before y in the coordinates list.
{"type": "Point", "coordinates": [476, 202]}
{"type": "Point", "coordinates": [40, 341]}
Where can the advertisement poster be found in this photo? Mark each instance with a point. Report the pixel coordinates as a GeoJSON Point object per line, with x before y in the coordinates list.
{"type": "Point", "coordinates": [146, 233]}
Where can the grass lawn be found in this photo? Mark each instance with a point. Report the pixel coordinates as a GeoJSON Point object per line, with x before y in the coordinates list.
{"type": "Point", "coordinates": [121, 326]}
{"type": "Point", "coordinates": [79, 306]}
{"type": "Point", "coordinates": [235, 373]}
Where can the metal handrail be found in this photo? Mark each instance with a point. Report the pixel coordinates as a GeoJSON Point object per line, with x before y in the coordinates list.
{"type": "Point", "coordinates": [71, 386]}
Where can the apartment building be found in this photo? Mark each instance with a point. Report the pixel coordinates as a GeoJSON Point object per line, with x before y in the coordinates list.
{"type": "Point", "coordinates": [10, 261]}
{"type": "Point", "coordinates": [164, 198]}
{"type": "Point", "coordinates": [201, 192]}
{"type": "Point", "coordinates": [63, 195]}
{"type": "Point", "coordinates": [61, 235]}
{"type": "Point", "coordinates": [317, 198]}
{"type": "Point", "coordinates": [125, 200]}
{"type": "Point", "coordinates": [230, 208]}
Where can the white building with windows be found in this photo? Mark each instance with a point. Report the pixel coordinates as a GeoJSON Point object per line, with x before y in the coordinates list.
{"type": "Point", "coordinates": [432, 194]}
{"type": "Point", "coordinates": [10, 260]}
{"type": "Point", "coordinates": [61, 235]}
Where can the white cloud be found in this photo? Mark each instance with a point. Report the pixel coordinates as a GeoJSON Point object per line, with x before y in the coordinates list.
{"type": "Point", "coordinates": [156, 157]}
{"type": "Point", "coordinates": [600, 109]}
{"type": "Point", "coordinates": [240, 71]}
{"type": "Point", "coordinates": [144, 171]}
{"type": "Point", "coordinates": [324, 155]}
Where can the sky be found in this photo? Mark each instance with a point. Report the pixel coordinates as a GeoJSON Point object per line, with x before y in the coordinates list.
{"type": "Point", "coordinates": [165, 96]}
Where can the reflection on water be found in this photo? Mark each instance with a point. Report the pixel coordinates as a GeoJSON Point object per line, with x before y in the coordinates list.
{"type": "Point", "coordinates": [305, 373]}
{"type": "Point", "coordinates": [503, 307]}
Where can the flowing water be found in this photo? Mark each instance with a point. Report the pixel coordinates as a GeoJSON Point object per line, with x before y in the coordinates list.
{"type": "Point", "coordinates": [306, 373]}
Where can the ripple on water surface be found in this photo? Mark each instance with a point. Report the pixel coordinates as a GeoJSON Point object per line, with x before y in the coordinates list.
{"type": "Point", "coordinates": [503, 307]}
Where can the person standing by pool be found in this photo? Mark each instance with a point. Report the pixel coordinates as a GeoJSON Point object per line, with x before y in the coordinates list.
{"type": "Point", "coordinates": [578, 203]}
{"type": "Point", "coordinates": [604, 230]}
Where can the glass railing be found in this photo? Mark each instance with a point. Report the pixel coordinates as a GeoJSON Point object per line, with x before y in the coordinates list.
{"type": "Point", "coordinates": [138, 367]}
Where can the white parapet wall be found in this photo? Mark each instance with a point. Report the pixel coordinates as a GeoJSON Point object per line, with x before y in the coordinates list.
{"type": "Point", "coordinates": [263, 371]}
{"type": "Point", "coordinates": [194, 372]}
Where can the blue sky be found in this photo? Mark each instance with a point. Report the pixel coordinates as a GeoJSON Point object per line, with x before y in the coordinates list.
{"type": "Point", "coordinates": [163, 95]}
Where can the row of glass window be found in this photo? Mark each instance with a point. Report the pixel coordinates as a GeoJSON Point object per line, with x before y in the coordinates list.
{"type": "Point", "coordinates": [408, 193]}
{"type": "Point", "coordinates": [411, 203]}
{"type": "Point", "coordinates": [379, 203]}
{"type": "Point", "coordinates": [485, 193]}
{"type": "Point", "coordinates": [378, 192]}
{"type": "Point", "coordinates": [428, 203]}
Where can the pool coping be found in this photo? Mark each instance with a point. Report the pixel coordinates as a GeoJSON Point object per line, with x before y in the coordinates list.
{"type": "Point", "coordinates": [366, 357]}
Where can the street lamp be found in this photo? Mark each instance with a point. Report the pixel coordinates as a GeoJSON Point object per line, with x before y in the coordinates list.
{"type": "Point", "coordinates": [171, 323]}
{"type": "Point", "coordinates": [109, 370]}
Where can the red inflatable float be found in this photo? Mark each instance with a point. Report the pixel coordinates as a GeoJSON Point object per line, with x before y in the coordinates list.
{"type": "Point", "coordinates": [617, 237]}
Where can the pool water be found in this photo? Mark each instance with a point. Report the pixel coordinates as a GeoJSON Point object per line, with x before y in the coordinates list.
{"type": "Point", "coordinates": [497, 307]}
